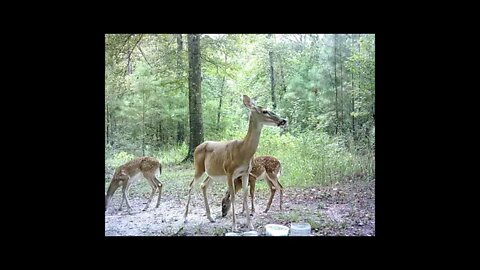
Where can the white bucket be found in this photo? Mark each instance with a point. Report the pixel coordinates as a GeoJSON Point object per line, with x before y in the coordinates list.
{"type": "Point", "coordinates": [250, 233]}
{"type": "Point", "coordinates": [300, 229]}
{"type": "Point", "coordinates": [276, 230]}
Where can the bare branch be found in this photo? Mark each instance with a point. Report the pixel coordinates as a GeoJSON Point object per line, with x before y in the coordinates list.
{"type": "Point", "coordinates": [130, 53]}
{"type": "Point", "coordinates": [140, 49]}
{"type": "Point", "coordinates": [126, 40]}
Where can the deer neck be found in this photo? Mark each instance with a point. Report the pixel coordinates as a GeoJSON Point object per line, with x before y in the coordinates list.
{"type": "Point", "coordinates": [251, 140]}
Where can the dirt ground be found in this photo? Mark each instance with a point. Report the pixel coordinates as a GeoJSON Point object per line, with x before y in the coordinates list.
{"type": "Point", "coordinates": [341, 209]}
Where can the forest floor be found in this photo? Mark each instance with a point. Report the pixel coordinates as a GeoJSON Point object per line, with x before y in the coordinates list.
{"type": "Point", "coordinates": [341, 209]}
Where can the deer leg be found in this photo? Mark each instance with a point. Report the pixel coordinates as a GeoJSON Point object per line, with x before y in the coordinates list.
{"type": "Point", "coordinates": [204, 191]}
{"type": "Point", "coordinates": [194, 180]}
{"type": "Point", "coordinates": [245, 193]}
{"type": "Point", "coordinates": [231, 188]}
{"type": "Point", "coordinates": [281, 195]}
{"type": "Point", "coordinates": [160, 185]}
{"type": "Point", "coordinates": [252, 191]}
{"type": "Point", "coordinates": [107, 201]}
{"type": "Point", "coordinates": [272, 193]}
{"type": "Point", "coordinates": [125, 195]}
{"type": "Point", "coordinates": [124, 186]}
{"type": "Point", "coordinates": [274, 180]}
{"type": "Point", "coordinates": [188, 200]}
{"type": "Point", "coordinates": [153, 185]}
{"type": "Point", "coordinates": [111, 190]}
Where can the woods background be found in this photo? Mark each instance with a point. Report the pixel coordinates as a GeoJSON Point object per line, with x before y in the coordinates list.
{"type": "Point", "coordinates": [167, 93]}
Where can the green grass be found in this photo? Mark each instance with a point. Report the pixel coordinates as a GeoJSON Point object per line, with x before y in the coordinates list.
{"type": "Point", "coordinates": [308, 159]}
{"type": "Point", "coordinates": [291, 216]}
{"type": "Point", "coordinates": [315, 224]}
{"type": "Point", "coordinates": [219, 231]}
{"type": "Point", "coordinates": [313, 158]}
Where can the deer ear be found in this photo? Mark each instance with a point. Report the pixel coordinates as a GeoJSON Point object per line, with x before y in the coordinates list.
{"type": "Point", "coordinates": [249, 103]}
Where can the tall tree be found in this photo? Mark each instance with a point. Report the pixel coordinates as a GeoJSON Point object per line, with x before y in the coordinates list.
{"type": "Point", "coordinates": [180, 124]}
{"type": "Point", "coordinates": [107, 117]}
{"type": "Point", "coordinates": [143, 122]}
{"type": "Point", "coordinates": [341, 82]}
{"type": "Point", "coordinates": [353, 97]}
{"type": "Point", "coordinates": [283, 85]}
{"type": "Point", "coordinates": [272, 74]}
{"type": "Point", "coordinates": [194, 94]}
{"type": "Point", "coordinates": [222, 86]}
{"type": "Point", "coordinates": [335, 81]}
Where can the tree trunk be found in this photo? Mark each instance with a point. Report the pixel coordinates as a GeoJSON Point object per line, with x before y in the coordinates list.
{"type": "Point", "coordinates": [107, 126]}
{"type": "Point", "coordinates": [341, 88]}
{"type": "Point", "coordinates": [353, 109]}
{"type": "Point", "coordinates": [143, 124]}
{"type": "Point", "coordinates": [113, 127]}
{"type": "Point", "coordinates": [180, 132]}
{"type": "Point", "coordinates": [221, 97]}
{"type": "Point", "coordinates": [194, 94]}
{"type": "Point", "coordinates": [353, 98]}
{"type": "Point", "coordinates": [283, 86]}
{"type": "Point", "coordinates": [129, 65]}
{"type": "Point", "coordinates": [179, 54]}
{"type": "Point", "coordinates": [220, 103]}
{"type": "Point", "coordinates": [180, 125]}
{"type": "Point", "coordinates": [335, 80]}
{"type": "Point", "coordinates": [373, 109]}
{"type": "Point", "coordinates": [272, 77]}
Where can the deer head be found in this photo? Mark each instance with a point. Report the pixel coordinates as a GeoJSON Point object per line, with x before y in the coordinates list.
{"type": "Point", "coordinates": [262, 115]}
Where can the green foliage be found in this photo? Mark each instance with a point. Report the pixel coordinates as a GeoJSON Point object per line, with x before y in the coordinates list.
{"type": "Point", "coordinates": [171, 154]}
{"type": "Point", "coordinates": [324, 85]}
{"type": "Point", "coordinates": [313, 157]}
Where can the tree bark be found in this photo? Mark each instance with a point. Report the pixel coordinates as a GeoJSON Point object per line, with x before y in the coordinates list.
{"type": "Point", "coordinates": [113, 127]}
{"type": "Point", "coordinates": [180, 132]}
{"type": "Point", "coordinates": [341, 88]}
{"type": "Point", "coordinates": [272, 76]}
{"type": "Point", "coordinates": [220, 103]}
{"type": "Point", "coordinates": [283, 86]}
{"type": "Point", "coordinates": [180, 123]}
{"type": "Point", "coordinates": [194, 94]}
{"type": "Point", "coordinates": [143, 124]}
{"type": "Point", "coordinates": [221, 97]}
{"type": "Point", "coordinates": [353, 98]}
{"type": "Point", "coordinates": [335, 81]}
{"type": "Point", "coordinates": [107, 125]}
